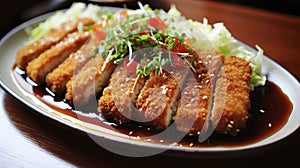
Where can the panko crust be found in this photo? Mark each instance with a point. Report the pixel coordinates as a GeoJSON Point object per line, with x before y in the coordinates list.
{"type": "Point", "coordinates": [232, 102]}
{"type": "Point", "coordinates": [57, 79]}
{"type": "Point", "coordinates": [89, 81]}
{"type": "Point", "coordinates": [55, 35]}
{"type": "Point", "coordinates": [118, 100]}
{"type": "Point", "coordinates": [39, 68]}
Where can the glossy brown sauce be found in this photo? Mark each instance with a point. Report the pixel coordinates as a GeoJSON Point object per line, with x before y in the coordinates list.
{"type": "Point", "coordinates": [270, 110]}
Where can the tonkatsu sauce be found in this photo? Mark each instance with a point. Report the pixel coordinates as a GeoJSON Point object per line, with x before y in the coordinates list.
{"type": "Point", "coordinates": [270, 110]}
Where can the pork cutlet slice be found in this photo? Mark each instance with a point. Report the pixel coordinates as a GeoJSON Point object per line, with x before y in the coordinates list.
{"type": "Point", "coordinates": [194, 107]}
{"type": "Point", "coordinates": [231, 97]}
{"type": "Point", "coordinates": [39, 68]}
{"type": "Point", "coordinates": [89, 81]}
{"type": "Point", "coordinates": [119, 97]}
{"type": "Point", "coordinates": [157, 102]}
{"type": "Point", "coordinates": [58, 78]}
{"type": "Point", "coordinates": [55, 35]}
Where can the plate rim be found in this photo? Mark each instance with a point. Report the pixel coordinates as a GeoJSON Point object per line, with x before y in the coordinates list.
{"type": "Point", "coordinates": [107, 136]}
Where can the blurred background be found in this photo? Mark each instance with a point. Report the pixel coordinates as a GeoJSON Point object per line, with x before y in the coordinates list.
{"type": "Point", "coordinates": [15, 12]}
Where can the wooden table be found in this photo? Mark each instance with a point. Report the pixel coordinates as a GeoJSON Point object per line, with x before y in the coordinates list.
{"type": "Point", "coordinates": [31, 140]}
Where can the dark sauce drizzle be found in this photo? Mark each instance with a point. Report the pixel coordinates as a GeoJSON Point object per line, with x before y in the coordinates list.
{"type": "Point", "coordinates": [270, 110]}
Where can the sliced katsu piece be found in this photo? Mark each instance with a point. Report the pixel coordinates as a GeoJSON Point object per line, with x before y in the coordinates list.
{"type": "Point", "coordinates": [89, 81]}
{"type": "Point", "coordinates": [33, 50]}
{"type": "Point", "coordinates": [157, 102]}
{"type": "Point", "coordinates": [38, 68]}
{"type": "Point", "coordinates": [58, 78]}
{"type": "Point", "coordinates": [196, 99]}
{"type": "Point", "coordinates": [119, 97]}
{"type": "Point", "coordinates": [231, 97]}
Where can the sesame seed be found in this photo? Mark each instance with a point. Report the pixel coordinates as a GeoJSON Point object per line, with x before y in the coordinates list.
{"type": "Point", "coordinates": [270, 125]}
{"type": "Point", "coordinates": [197, 86]}
{"type": "Point", "coordinates": [204, 97]}
{"type": "Point", "coordinates": [262, 111]}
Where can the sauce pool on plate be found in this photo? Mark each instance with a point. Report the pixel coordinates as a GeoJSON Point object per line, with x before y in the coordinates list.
{"type": "Point", "coordinates": [270, 110]}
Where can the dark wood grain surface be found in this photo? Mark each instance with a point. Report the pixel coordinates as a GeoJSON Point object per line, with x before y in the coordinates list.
{"type": "Point", "coordinates": [28, 139]}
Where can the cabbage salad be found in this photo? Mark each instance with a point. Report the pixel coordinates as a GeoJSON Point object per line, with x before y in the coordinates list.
{"type": "Point", "coordinates": [121, 33]}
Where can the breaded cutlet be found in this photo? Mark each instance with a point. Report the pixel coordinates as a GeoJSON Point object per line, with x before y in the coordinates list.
{"type": "Point", "coordinates": [89, 81]}
{"type": "Point", "coordinates": [39, 68]}
{"type": "Point", "coordinates": [58, 78]}
{"type": "Point", "coordinates": [194, 107]}
{"type": "Point", "coordinates": [231, 97]}
{"type": "Point", "coordinates": [118, 100]}
{"type": "Point", "coordinates": [33, 50]}
{"type": "Point", "coordinates": [157, 101]}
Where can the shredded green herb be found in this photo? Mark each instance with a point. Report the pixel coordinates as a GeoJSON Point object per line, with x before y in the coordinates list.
{"type": "Point", "coordinates": [129, 36]}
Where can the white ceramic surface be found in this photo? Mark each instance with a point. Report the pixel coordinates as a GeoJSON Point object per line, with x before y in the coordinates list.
{"type": "Point", "coordinates": [16, 38]}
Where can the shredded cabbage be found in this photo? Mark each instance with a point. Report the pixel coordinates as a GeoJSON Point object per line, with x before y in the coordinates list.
{"type": "Point", "coordinates": [217, 37]}
{"type": "Point", "coordinates": [202, 35]}
{"type": "Point", "coordinates": [75, 11]}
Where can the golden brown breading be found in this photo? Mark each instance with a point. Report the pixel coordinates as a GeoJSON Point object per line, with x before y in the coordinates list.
{"type": "Point", "coordinates": [118, 100]}
{"type": "Point", "coordinates": [38, 68]}
{"type": "Point", "coordinates": [89, 81]}
{"type": "Point", "coordinates": [231, 102]}
{"type": "Point", "coordinates": [157, 101]}
{"type": "Point", "coordinates": [33, 50]}
{"type": "Point", "coordinates": [194, 107]}
{"type": "Point", "coordinates": [196, 97]}
{"type": "Point", "coordinates": [57, 79]}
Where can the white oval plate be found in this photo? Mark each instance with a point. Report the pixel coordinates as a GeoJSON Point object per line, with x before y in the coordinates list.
{"type": "Point", "coordinates": [15, 39]}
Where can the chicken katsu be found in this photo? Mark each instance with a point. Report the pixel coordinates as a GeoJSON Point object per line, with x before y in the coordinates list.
{"type": "Point", "coordinates": [231, 96]}
{"type": "Point", "coordinates": [58, 78]}
{"type": "Point", "coordinates": [193, 114]}
{"type": "Point", "coordinates": [157, 101]}
{"type": "Point", "coordinates": [55, 35]}
{"type": "Point", "coordinates": [89, 81]}
{"type": "Point", "coordinates": [118, 100]}
{"type": "Point", "coordinates": [39, 68]}
{"type": "Point", "coordinates": [148, 71]}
